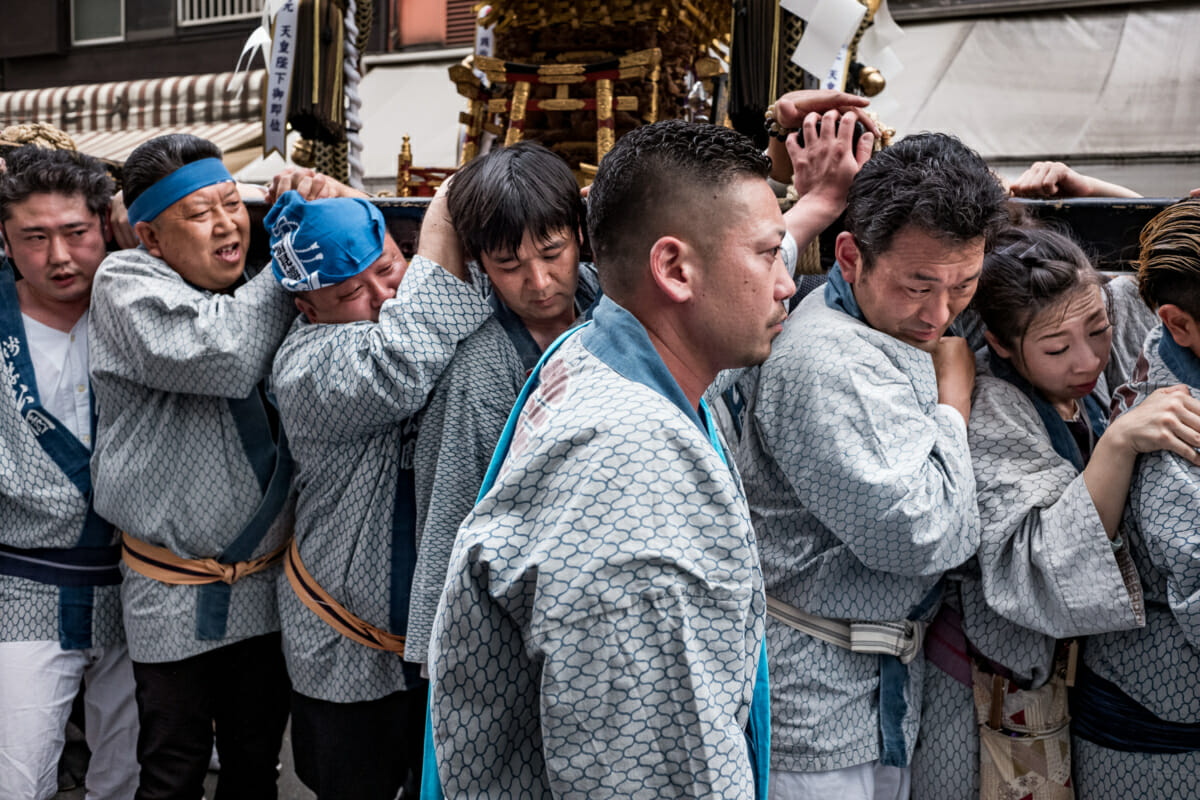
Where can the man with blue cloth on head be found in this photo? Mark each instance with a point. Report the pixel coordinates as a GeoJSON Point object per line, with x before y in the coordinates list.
{"type": "Point", "coordinates": [374, 335]}
{"type": "Point", "coordinates": [600, 634]}
{"type": "Point", "coordinates": [190, 466]}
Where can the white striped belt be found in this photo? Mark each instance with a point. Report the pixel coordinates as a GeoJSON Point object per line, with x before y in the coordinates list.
{"type": "Point", "coordinates": [899, 639]}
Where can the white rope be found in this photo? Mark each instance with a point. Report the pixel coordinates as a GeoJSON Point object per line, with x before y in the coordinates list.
{"type": "Point", "coordinates": [350, 81]}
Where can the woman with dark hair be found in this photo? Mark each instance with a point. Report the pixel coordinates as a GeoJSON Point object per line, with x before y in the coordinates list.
{"type": "Point", "coordinates": [1051, 484]}
{"type": "Point", "coordinates": [1136, 702]}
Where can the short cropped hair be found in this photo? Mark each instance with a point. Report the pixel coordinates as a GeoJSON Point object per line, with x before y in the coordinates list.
{"type": "Point", "coordinates": [34, 170]}
{"type": "Point", "coordinates": [493, 200]}
{"type": "Point", "coordinates": [1169, 261]}
{"type": "Point", "coordinates": [931, 182]}
{"type": "Point", "coordinates": [657, 181]}
{"type": "Point", "coordinates": [156, 159]}
{"type": "Point", "coordinates": [1028, 271]}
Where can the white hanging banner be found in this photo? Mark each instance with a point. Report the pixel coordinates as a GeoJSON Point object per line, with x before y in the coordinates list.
{"type": "Point", "coordinates": [884, 25]}
{"type": "Point", "coordinates": [485, 40]}
{"type": "Point", "coordinates": [875, 49]}
{"type": "Point", "coordinates": [835, 77]}
{"type": "Point", "coordinates": [830, 26]}
{"type": "Point", "coordinates": [801, 8]}
{"type": "Point", "coordinates": [279, 80]}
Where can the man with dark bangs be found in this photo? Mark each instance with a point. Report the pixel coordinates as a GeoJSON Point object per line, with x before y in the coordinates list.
{"type": "Point", "coordinates": [60, 605]}
{"type": "Point", "coordinates": [520, 220]}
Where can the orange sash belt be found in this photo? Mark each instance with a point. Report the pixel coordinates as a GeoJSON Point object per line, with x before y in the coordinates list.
{"type": "Point", "coordinates": [334, 613]}
{"type": "Point", "coordinates": [162, 565]}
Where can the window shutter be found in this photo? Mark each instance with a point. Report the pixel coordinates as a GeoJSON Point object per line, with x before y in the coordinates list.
{"type": "Point", "coordinates": [460, 23]}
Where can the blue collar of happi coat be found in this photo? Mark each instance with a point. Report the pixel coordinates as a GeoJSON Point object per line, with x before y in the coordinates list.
{"type": "Point", "coordinates": [1182, 362]}
{"type": "Point", "coordinates": [619, 340]}
{"type": "Point", "coordinates": [1056, 428]}
{"type": "Point", "coordinates": [839, 294]}
{"type": "Point", "coordinates": [587, 295]}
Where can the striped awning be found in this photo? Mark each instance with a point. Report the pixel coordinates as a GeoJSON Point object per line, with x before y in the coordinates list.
{"type": "Point", "coordinates": [109, 120]}
{"type": "Point", "coordinates": [117, 145]}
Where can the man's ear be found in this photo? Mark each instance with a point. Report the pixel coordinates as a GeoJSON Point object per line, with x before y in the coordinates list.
{"type": "Point", "coordinates": [1181, 325]}
{"type": "Point", "coordinates": [848, 256]}
{"type": "Point", "coordinates": [306, 308]}
{"type": "Point", "coordinates": [149, 237]}
{"type": "Point", "coordinates": [672, 268]}
{"type": "Point", "coordinates": [994, 343]}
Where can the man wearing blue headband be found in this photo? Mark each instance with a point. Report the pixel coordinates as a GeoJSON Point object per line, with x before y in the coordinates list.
{"type": "Point", "coordinates": [189, 465]}
{"type": "Point", "coordinates": [60, 616]}
{"type": "Point", "coordinates": [352, 374]}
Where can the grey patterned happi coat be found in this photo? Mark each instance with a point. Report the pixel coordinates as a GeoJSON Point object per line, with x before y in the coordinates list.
{"type": "Point", "coordinates": [1159, 665]}
{"type": "Point", "coordinates": [40, 507]}
{"type": "Point", "coordinates": [1045, 567]}
{"type": "Point", "coordinates": [862, 495]}
{"type": "Point", "coordinates": [459, 431]}
{"type": "Point", "coordinates": [602, 620]}
{"type": "Point", "coordinates": [169, 466]}
{"type": "Point", "coordinates": [347, 395]}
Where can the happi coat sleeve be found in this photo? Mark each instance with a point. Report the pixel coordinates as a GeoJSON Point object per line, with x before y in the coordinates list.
{"type": "Point", "coordinates": [1166, 508]}
{"type": "Point", "coordinates": [459, 431]}
{"type": "Point", "coordinates": [161, 333]}
{"type": "Point", "coordinates": [376, 378]}
{"type": "Point", "coordinates": [1045, 561]}
{"type": "Point", "coordinates": [851, 417]}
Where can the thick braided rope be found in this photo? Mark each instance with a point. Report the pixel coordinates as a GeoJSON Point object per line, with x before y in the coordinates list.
{"type": "Point", "coordinates": [350, 81]}
{"type": "Point", "coordinates": [41, 134]}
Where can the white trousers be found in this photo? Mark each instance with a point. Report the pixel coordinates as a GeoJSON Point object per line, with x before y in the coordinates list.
{"type": "Point", "coordinates": [860, 782]}
{"type": "Point", "coordinates": [38, 684]}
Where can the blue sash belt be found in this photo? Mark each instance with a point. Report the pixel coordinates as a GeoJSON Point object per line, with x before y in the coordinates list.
{"type": "Point", "coordinates": [1103, 714]}
{"type": "Point", "coordinates": [69, 566]}
{"type": "Point", "coordinates": [76, 595]}
{"type": "Point", "coordinates": [273, 467]}
{"type": "Point", "coordinates": [404, 545]}
{"type": "Point", "coordinates": [1056, 428]}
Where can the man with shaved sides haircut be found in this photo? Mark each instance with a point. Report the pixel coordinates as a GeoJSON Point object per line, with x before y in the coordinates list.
{"type": "Point", "coordinates": [600, 631]}
{"type": "Point", "coordinates": [192, 468]}
{"type": "Point", "coordinates": [857, 470]}
{"type": "Point", "coordinates": [60, 612]}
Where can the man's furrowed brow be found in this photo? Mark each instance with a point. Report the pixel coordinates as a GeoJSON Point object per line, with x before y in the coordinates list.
{"type": "Point", "coordinates": [67, 227]}
{"type": "Point", "coordinates": [921, 276]}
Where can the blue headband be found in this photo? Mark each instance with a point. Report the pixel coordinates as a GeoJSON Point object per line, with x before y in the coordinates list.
{"type": "Point", "coordinates": [176, 186]}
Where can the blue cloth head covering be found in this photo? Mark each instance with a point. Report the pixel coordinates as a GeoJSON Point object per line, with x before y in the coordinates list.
{"type": "Point", "coordinates": [321, 243]}
{"type": "Point", "coordinates": [174, 187]}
